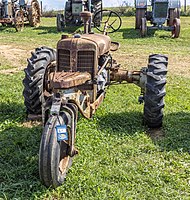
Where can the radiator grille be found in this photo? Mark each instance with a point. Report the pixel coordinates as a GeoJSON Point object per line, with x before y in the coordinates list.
{"type": "Point", "coordinates": [85, 61]}
{"type": "Point", "coordinates": [64, 60]}
{"type": "Point", "coordinates": [161, 9]}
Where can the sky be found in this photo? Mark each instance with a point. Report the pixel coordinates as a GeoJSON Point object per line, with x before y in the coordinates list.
{"type": "Point", "coordinates": [59, 4]}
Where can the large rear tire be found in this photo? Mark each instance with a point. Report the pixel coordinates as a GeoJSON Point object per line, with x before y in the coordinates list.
{"type": "Point", "coordinates": [34, 78]}
{"type": "Point", "coordinates": [176, 26]}
{"type": "Point", "coordinates": [173, 13]}
{"type": "Point", "coordinates": [155, 90]}
{"type": "Point", "coordinates": [60, 22]}
{"type": "Point", "coordinates": [54, 160]}
{"type": "Point", "coordinates": [97, 4]}
{"type": "Point", "coordinates": [140, 13]}
{"type": "Point", "coordinates": [68, 17]}
{"type": "Point", "coordinates": [34, 14]}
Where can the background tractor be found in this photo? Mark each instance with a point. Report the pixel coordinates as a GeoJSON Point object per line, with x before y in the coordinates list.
{"type": "Point", "coordinates": [73, 8]}
{"type": "Point", "coordinates": [16, 12]}
{"type": "Point", "coordinates": [160, 11]}
{"type": "Point", "coordinates": [74, 77]}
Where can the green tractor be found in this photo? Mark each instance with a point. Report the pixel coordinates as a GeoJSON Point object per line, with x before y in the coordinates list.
{"type": "Point", "coordinates": [161, 11]}
{"type": "Point", "coordinates": [73, 8]}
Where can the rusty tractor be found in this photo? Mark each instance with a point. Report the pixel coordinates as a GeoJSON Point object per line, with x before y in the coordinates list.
{"type": "Point", "coordinates": [74, 77]}
{"type": "Point", "coordinates": [73, 8]}
{"type": "Point", "coordinates": [161, 11]}
{"type": "Point", "coordinates": [16, 12]}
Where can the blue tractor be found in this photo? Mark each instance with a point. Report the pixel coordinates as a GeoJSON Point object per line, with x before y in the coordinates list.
{"type": "Point", "coordinates": [73, 8]}
{"type": "Point", "coordinates": [160, 12]}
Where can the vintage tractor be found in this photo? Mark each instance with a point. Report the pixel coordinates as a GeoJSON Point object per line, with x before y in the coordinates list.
{"type": "Point", "coordinates": [74, 77]}
{"type": "Point", "coordinates": [161, 11]}
{"type": "Point", "coordinates": [16, 12]}
{"type": "Point", "coordinates": [73, 8]}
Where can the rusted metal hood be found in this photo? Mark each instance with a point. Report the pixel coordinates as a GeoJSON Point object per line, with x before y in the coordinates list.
{"type": "Point", "coordinates": [103, 42]}
{"type": "Point", "coordinates": [96, 42]}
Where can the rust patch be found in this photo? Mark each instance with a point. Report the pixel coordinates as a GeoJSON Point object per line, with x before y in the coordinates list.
{"type": "Point", "coordinates": [69, 79]}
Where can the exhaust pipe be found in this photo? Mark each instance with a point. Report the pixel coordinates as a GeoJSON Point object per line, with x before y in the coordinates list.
{"type": "Point", "coordinates": [86, 18]}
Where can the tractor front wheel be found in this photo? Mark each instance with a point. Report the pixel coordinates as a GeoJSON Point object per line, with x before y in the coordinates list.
{"type": "Point", "coordinates": [176, 26]}
{"type": "Point", "coordinates": [155, 90]}
{"type": "Point", "coordinates": [19, 20]}
{"type": "Point", "coordinates": [143, 27]}
{"type": "Point", "coordinates": [54, 160]}
{"type": "Point", "coordinates": [140, 13]}
{"type": "Point", "coordinates": [34, 78]}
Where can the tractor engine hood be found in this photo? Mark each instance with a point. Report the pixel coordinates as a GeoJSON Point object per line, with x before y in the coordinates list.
{"type": "Point", "coordinates": [99, 43]}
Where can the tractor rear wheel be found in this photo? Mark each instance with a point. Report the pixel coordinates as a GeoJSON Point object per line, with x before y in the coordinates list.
{"type": "Point", "coordinates": [54, 160]}
{"type": "Point", "coordinates": [173, 13]}
{"type": "Point", "coordinates": [155, 90]}
{"type": "Point", "coordinates": [178, 12]}
{"type": "Point", "coordinates": [176, 30]}
{"type": "Point", "coordinates": [97, 8]}
{"type": "Point", "coordinates": [34, 78]}
{"type": "Point", "coordinates": [68, 17]}
{"type": "Point", "coordinates": [140, 13]}
{"type": "Point", "coordinates": [143, 27]}
{"type": "Point", "coordinates": [34, 14]}
{"type": "Point", "coordinates": [60, 22]}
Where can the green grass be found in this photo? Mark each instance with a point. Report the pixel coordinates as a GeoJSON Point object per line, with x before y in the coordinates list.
{"type": "Point", "coordinates": [118, 158]}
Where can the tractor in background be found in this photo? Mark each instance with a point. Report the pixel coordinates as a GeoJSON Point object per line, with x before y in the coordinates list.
{"type": "Point", "coordinates": [74, 77]}
{"type": "Point", "coordinates": [16, 12]}
{"type": "Point", "coordinates": [160, 12]}
{"type": "Point", "coordinates": [73, 8]}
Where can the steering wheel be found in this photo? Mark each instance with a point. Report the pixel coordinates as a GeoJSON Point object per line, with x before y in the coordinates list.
{"type": "Point", "coordinates": [107, 21]}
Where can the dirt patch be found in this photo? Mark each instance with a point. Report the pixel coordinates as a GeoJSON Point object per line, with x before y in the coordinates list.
{"type": "Point", "coordinates": [177, 65]}
{"type": "Point", "coordinates": [13, 56]}
{"type": "Point", "coordinates": [10, 71]}
{"type": "Point", "coordinates": [31, 124]}
{"type": "Point", "coordinates": [155, 133]}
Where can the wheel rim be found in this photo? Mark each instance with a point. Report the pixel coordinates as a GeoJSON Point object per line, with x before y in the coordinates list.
{"type": "Point", "coordinates": [143, 28]}
{"type": "Point", "coordinates": [35, 14]}
{"type": "Point", "coordinates": [64, 161]}
{"type": "Point", "coordinates": [176, 30]}
{"type": "Point", "coordinates": [19, 20]}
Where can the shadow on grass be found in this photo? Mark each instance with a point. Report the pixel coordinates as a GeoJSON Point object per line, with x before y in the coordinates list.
{"type": "Point", "coordinates": [176, 132]}
{"type": "Point", "coordinates": [19, 146]}
{"type": "Point", "coordinates": [127, 123]}
{"type": "Point", "coordinates": [131, 33]}
{"type": "Point", "coordinates": [12, 112]}
{"type": "Point", "coordinates": [174, 136]}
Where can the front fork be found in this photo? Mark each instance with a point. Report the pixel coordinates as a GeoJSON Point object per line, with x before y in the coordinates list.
{"type": "Point", "coordinates": [57, 108]}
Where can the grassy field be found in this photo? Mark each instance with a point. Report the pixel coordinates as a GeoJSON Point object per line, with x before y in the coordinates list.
{"type": "Point", "coordinates": [119, 158]}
